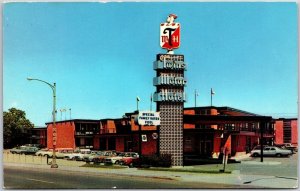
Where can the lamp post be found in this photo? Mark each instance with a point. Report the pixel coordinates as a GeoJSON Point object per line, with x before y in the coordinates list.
{"type": "Point", "coordinates": [53, 87]}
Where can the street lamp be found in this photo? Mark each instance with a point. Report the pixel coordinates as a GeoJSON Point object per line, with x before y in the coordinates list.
{"type": "Point", "coordinates": [53, 87]}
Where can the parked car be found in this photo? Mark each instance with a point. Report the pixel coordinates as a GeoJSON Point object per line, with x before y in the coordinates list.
{"type": "Point", "coordinates": [290, 147]}
{"type": "Point", "coordinates": [59, 153]}
{"type": "Point", "coordinates": [62, 153]}
{"type": "Point", "coordinates": [24, 150]}
{"type": "Point", "coordinates": [271, 151]}
{"type": "Point", "coordinates": [77, 155]}
{"type": "Point", "coordinates": [101, 158]}
{"type": "Point", "coordinates": [130, 159]}
{"type": "Point", "coordinates": [117, 159]}
{"type": "Point", "coordinates": [89, 157]}
{"type": "Point", "coordinates": [259, 146]}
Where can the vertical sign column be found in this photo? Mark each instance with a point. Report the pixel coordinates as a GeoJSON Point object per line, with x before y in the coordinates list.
{"type": "Point", "coordinates": [170, 98]}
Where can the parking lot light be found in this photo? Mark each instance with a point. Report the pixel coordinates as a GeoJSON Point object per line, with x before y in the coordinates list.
{"type": "Point", "coordinates": [54, 135]}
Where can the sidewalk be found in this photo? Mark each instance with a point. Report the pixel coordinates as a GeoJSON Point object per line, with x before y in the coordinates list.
{"type": "Point", "coordinates": [235, 178]}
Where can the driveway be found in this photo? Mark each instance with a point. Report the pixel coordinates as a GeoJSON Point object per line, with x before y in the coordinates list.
{"type": "Point", "coordinates": [272, 166]}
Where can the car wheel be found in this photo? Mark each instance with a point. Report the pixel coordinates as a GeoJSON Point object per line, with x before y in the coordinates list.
{"type": "Point", "coordinates": [117, 162]}
{"type": "Point", "coordinates": [130, 165]}
{"type": "Point", "coordinates": [278, 155]}
{"type": "Point", "coordinates": [255, 154]}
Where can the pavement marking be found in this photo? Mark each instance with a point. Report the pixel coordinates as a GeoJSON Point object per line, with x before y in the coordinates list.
{"type": "Point", "coordinates": [40, 180]}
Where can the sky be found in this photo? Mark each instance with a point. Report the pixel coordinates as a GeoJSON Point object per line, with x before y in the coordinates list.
{"type": "Point", "coordinates": [100, 55]}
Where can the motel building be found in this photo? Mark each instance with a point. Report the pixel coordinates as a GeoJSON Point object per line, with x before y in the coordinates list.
{"type": "Point", "coordinates": [206, 132]}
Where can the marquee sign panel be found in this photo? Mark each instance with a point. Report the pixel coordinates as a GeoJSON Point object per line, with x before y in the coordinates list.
{"type": "Point", "coordinates": [170, 35]}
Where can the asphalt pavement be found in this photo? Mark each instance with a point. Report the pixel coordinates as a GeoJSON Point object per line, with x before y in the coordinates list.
{"type": "Point", "coordinates": [250, 173]}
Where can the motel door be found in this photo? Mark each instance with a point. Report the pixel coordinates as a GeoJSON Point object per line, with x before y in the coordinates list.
{"type": "Point", "coordinates": [205, 148]}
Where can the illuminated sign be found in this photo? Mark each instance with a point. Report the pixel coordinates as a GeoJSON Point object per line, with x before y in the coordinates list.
{"type": "Point", "coordinates": [172, 57]}
{"type": "Point", "coordinates": [169, 80]}
{"type": "Point", "coordinates": [170, 33]}
{"type": "Point", "coordinates": [169, 64]}
{"type": "Point", "coordinates": [169, 96]}
{"type": "Point", "coordinates": [148, 118]}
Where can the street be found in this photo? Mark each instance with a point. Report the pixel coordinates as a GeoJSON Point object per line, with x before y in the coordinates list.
{"type": "Point", "coordinates": [34, 178]}
{"type": "Point", "coordinates": [28, 172]}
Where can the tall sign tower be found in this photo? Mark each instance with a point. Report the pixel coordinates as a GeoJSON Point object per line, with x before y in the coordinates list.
{"type": "Point", "coordinates": [169, 95]}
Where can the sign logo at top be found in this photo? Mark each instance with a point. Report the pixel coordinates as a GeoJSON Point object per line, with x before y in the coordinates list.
{"type": "Point", "coordinates": [170, 33]}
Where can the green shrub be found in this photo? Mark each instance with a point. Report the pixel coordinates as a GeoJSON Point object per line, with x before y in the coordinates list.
{"type": "Point", "coordinates": [164, 160]}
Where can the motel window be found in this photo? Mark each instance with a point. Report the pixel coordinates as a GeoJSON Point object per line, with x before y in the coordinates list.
{"type": "Point", "coordinates": [287, 131]}
{"type": "Point", "coordinates": [188, 142]}
{"type": "Point", "coordinates": [82, 142]}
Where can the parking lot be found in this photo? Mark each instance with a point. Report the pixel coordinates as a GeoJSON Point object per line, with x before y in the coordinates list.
{"type": "Point", "coordinates": [273, 166]}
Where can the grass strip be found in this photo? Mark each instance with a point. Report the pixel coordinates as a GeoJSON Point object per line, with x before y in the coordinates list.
{"type": "Point", "coordinates": [216, 171]}
{"type": "Point", "coordinates": [103, 166]}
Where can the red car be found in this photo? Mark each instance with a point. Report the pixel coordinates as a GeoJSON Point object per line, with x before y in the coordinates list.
{"type": "Point", "coordinates": [130, 160]}
{"type": "Point", "coordinates": [100, 158]}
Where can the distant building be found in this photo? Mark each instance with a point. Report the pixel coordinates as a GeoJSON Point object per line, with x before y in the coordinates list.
{"type": "Point", "coordinates": [38, 135]}
{"type": "Point", "coordinates": [286, 131]}
{"type": "Point", "coordinates": [207, 131]}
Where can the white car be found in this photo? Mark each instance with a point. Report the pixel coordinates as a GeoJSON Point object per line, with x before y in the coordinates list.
{"type": "Point", "coordinates": [60, 153]}
{"type": "Point", "coordinates": [44, 152]}
{"type": "Point", "coordinates": [78, 155]}
{"type": "Point", "coordinates": [118, 159]}
{"type": "Point", "coordinates": [271, 151]}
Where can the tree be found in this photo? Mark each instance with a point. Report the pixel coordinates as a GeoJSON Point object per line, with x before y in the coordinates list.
{"type": "Point", "coordinates": [15, 127]}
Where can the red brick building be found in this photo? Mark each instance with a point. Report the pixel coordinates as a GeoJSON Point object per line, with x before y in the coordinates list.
{"type": "Point", "coordinates": [207, 130]}
{"type": "Point", "coordinates": [106, 134]}
{"type": "Point", "coordinates": [286, 131]}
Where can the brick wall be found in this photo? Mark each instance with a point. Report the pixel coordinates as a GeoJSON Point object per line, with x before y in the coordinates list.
{"type": "Point", "coordinates": [294, 137]}
{"type": "Point", "coordinates": [278, 132]}
{"type": "Point", "coordinates": [65, 135]}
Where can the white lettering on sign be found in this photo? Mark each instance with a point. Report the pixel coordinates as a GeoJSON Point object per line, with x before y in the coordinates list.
{"type": "Point", "coordinates": [170, 57]}
{"type": "Point", "coordinates": [172, 80]}
{"type": "Point", "coordinates": [173, 65]}
{"type": "Point", "coordinates": [169, 96]}
{"type": "Point", "coordinates": [169, 65]}
{"type": "Point", "coordinates": [164, 79]}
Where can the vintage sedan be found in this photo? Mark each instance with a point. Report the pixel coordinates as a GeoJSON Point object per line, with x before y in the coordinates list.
{"type": "Point", "coordinates": [89, 157]}
{"type": "Point", "coordinates": [24, 150]}
{"type": "Point", "coordinates": [117, 159]}
{"type": "Point", "coordinates": [101, 158]}
{"type": "Point", "coordinates": [130, 160]}
{"type": "Point", "coordinates": [271, 151]}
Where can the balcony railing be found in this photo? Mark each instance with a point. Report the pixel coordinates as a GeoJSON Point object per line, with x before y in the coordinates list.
{"type": "Point", "coordinates": [84, 133]}
{"type": "Point", "coordinates": [105, 131]}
